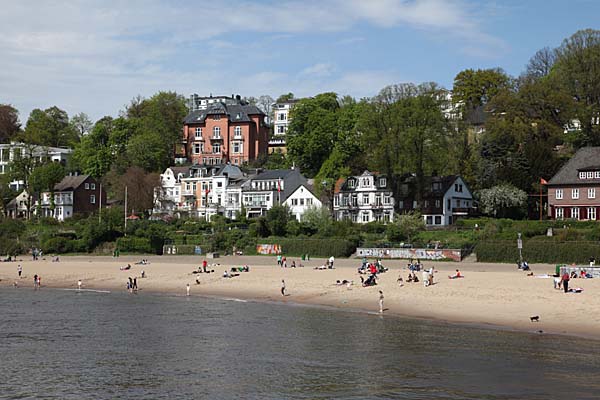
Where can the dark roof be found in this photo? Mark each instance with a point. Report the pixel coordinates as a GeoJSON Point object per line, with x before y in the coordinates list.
{"type": "Point", "coordinates": [292, 178]}
{"type": "Point", "coordinates": [70, 183]}
{"type": "Point", "coordinates": [273, 174]}
{"type": "Point", "coordinates": [408, 183]}
{"type": "Point", "coordinates": [585, 159]}
{"type": "Point", "coordinates": [235, 112]}
{"type": "Point", "coordinates": [180, 170]}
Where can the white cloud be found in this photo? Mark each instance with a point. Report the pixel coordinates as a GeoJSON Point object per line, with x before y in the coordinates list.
{"type": "Point", "coordinates": [319, 70]}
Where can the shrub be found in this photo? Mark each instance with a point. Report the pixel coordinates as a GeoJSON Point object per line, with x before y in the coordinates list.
{"type": "Point", "coordinates": [135, 245]}
{"type": "Point", "coordinates": [539, 251]}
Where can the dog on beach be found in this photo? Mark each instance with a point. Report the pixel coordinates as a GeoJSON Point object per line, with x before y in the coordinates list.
{"type": "Point", "coordinates": [535, 318]}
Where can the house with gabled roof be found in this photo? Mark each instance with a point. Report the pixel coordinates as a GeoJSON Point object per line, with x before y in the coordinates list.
{"type": "Point", "coordinates": [74, 194]}
{"type": "Point", "coordinates": [224, 131]}
{"type": "Point", "coordinates": [364, 198]}
{"type": "Point", "coordinates": [574, 192]}
{"type": "Point", "coordinates": [269, 188]}
{"type": "Point", "coordinates": [301, 200]}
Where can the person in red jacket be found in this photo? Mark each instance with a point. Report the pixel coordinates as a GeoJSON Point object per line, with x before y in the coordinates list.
{"type": "Point", "coordinates": [565, 281]}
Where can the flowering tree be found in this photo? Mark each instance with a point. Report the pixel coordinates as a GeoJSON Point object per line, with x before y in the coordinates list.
{"type": "Point", "coordinates": [502, 200]}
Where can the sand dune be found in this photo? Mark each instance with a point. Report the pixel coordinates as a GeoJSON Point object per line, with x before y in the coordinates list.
{"type": "Point", "coordinates": [490, 294]}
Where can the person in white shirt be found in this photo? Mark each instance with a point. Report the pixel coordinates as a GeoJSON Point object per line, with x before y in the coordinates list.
{"type": "Point", "coordinates": [79, 283]}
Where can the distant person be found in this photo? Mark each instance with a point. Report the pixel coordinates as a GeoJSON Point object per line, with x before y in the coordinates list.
{"type": "Point", "coordinates": [456, 275]}
{"type": "Point", "coordinates": [282, 287]}
{"type": "Point", "coordinates": [380, 302]}
{"type": "Point", "coordinates": [187, 289]}
{"type": "Point", "coordinates": [35, 281]}
{"type": "Point", "coordinates": [19, 270]}
{"type": "Point", "coordinates": [79, 283]}
{"type": "Point", "coordinates": [565, 281]}
{"type": "Point", "coordinates": [284, 262]}
{"type": "Point", "coordinates": [135, 284]}
{"type": "Point", "coordinates": [39, 281]}
{"type": "Point", "coordinates": [279, 263]}
{"type": "Point", "coordinates": [331, 260]}
{"type": "Point", "coordinates": [293, 264]}
{"type": "Point", "coordinates": [143, 274]}
{"type": "Point", "coordinates": [204, 265]}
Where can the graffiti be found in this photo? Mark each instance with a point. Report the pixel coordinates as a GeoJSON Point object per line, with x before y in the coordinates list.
{"type": "Point", "coordinates": [268, 249]}
{"type": "Point", "coordinates": [421, 254]}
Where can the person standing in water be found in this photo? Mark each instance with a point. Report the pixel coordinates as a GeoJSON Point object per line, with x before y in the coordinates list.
{"type": "Point", "coordinates": [187, 289]}
{"type": "Point", "coordinates": [381, 302]}
{"type": "Point", "coordinates": [79, 283]}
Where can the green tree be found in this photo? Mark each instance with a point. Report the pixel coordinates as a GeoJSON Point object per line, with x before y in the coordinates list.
{"type": "Point", "coordinates": [45, 177]}
{"type": "Point", "coordinates": [278, 217]}
{"type": "Point", "coordinates": [576, 66]}
{"type": "Point", "coordinates": [285, 97]}
{"type": "Point", "coordinates": [9, 123]}
{"type": "Point", "coordinates": [50, 127]}
{"type": "Point", "coordinates": [405, 227]}
{"type": "Point", "coordinates": [82, 124]}
{"type": "Point", "coordinates": [477, 87]}
{"type": "Point", "coordinates": [312, 131]}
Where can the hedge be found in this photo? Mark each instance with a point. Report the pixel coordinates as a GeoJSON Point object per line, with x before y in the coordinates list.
{"type": "Point", "coordinates": [538, 251]}
{"type": "Point", "coordinates": [135, 245]}
{"type": "Point", "coordinates": [314, 247]}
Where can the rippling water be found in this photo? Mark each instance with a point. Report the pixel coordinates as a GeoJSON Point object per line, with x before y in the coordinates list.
{"type": "Point", "coordinates": [69, 345]}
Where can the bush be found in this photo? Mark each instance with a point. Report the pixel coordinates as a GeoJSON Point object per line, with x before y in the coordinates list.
{"type": "Point", "coordinates": [539, 251]}
{"type": "Point", "coordinates": [135, 245]}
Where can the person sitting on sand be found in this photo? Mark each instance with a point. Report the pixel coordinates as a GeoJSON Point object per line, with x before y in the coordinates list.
{"type": "Point", "coordinates": [197, 281]}
{"type": "Point", "coordinates": [321, 267]}
{"type": "Point", "coordinates": [456, 275]}
{"type": "Point", "coordinates": [573, 274]}
{"type": "Point", "coordinates": [410, 277]}
{"type": "Point", "coordinates": [293, 264]}
{"type": "Point", "coordinates": [143, 274]}
{"type": "Point", "coordinates": [126, 268]}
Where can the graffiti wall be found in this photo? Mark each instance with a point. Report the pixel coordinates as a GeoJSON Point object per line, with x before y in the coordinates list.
{"type": "Point", "coordinates": [421, 254]}
{"type": "Point", "coordinates": [268, 249]}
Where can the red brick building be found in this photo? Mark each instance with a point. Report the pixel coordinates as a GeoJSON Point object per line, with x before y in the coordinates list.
{"type": "Point", "coordinates": [226, 131]}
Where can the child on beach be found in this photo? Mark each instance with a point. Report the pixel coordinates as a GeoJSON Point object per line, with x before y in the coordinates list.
{"type": "Point", "coordinates": [381, 302]}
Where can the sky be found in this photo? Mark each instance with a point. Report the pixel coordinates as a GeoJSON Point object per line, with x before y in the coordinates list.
{"type": "Point", "coordinates": [95, 56]}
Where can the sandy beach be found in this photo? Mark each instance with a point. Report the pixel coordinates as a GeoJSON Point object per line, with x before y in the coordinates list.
{"type": "Point", "coordinates": [494, 295]}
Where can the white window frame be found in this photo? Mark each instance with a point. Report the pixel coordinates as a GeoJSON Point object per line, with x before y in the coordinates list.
{"type": "Point", "coordinates": [582, 175]}
{"type": "Point", "coordinates": [591, 193]}
{"type": "Point", "coordinates": [575, 214]}
{"type": "Point", "coordinates": [237, 131]}
{"type": "Point", "coordinates": [236, 147]}
{"type": "Point", "coordinates": [597, 174]}
{"type": "Point", "coordinates": [591, 213]}
{"type": "Point", "coordinates": [590, 175]}
{"type": "Point", "coordinates": [87, 186]}
{"type": "Point", "coordinates": [559, 194]}
{"type": "Point", "coordinates": [575, 194]}
{"type": "Point", "coordinates": [560, 213]}
{"type": "Point", "coordinates": [216, 132]}
{"type": "Point", "coordinates": [93, 199]}
{"type": "Point", "coordinates": [365, 199]}
{"type": "Point", "coordinates": [198, 133]}
{"type": "Point", "coordinates": [93, 186]}
{"type": "Point", "coordinates": [216, 148]}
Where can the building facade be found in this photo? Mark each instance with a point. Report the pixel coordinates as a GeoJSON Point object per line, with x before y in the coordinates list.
{"type": "Point", "coordinates": [444, 199]}
{"type": "Point", "coordinates": [365, 198]}
{"type": "Point", "coordinates": [9, 152]}
{"type": "Point", "coordinates": [301, 200]}
{"type": "Point", "coordinates": [224, 131]}
{"type": "Point", "coordinates": [80, 194]}
{"type": "Point", "coordinates": [574, 192]}
{"type": "Point", "coordinates": [281, 123]}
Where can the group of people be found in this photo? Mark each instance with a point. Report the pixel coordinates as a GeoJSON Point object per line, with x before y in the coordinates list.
{"type": "Point", "coordinates": [132, 285]}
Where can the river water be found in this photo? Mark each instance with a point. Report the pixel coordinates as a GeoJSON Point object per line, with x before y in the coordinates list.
{"type": "Point", "coordinates": [59, 344]}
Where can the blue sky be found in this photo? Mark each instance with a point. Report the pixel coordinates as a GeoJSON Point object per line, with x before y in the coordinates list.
{"type": "Point", "coordinates": [95, 56]}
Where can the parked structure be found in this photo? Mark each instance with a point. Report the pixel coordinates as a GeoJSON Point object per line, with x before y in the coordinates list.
{"type": "Point", "coordinates": [80, 194]}
{"type": "Point", "coordinates": [281, 122]}
{"type": "Point", "coordinates": [574, 192]}
{"type": "Point", "coordinates": [224, 131]}
{"type": "Point", "coordinates": [444, 199]}
{"type": "Point", "coordinates": [365, 198]}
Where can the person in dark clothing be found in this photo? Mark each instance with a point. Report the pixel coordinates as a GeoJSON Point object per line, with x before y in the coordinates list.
{"type": "Point", "coordinates": [565, 281]}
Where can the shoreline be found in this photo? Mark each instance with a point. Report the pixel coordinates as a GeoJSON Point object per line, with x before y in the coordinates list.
{"type": "Point", "coordinates": [491, 296]}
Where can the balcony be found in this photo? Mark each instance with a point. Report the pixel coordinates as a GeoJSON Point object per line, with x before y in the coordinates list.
{"type": "Point", "coordinates": [256, 204]}
{"type": "Point", "coordinates": [216, 137]}
{"type": "Point", "coordinates": [277, 142]}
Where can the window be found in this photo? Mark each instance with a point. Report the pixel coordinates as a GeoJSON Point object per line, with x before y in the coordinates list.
{"type": "Point", "coordinates": [438, 219]}
{"type": "Point", "coordinates": [457, 203]}
{"type": "Point", "coordinates": [591, 212]}
{"type": "Point", "coordinates": [591, 193]}
{"type": "Point", "coordinates": [387, 199]}
{"type": "Point", "coordinates": [437, 204]}
{"type": "Point", "coordinates": [575, 194]}
{"type": "Point", "coordinates": [216, 117]}
{"type": "Point", "coordinates": [281, 116]}
{"type": "Point", "coordinates": [301, 202]}
{"type": "Point", "coordinates": [351, 183]}
{"type": "Point", "coordinates": [582, 175]}
{"type": "Point", "coordinates": [414, 204]}
{"type": "Point", "coordinates": [365, 217]}
{"type": "Point", "coordinates": [219, 184]}
{"type": "Point", "coordinates": [575, 212]}
{"type": "Point", "coordinates": [93, 186]}
{"type": "Point", "coordinates": [429, 220]}
{"type": "Point", "coordinates": [365, 199]}
{"type": "Point", "coordinates": [590, 174]}
{"type": "Point", "coordinates": [216, 132]}
{"type": "Point", "coordinates": [559, 194]}
{"type": "Point", "coordinates": [401, 204]}
{"type": "Point", "coordinates": [294, 202]}
{"type": "Point", "coordinates": [309, 202]}
{"type": "Point", "coordinates": [198, 148]}
{"type": "Point", "coordinates": [449, 204]}
{"type": "Point", "coordinates": [336, 201]}
{"type": "Point", "coordinates": [238, 131]}
{"type": "Point", "coordinates": [280, 129]}
{"type": "Point", "coordinates": [353, 200]}
{"type": "Point", "coordinates": [93, 199]}
{"type": "Point", "coordinates": [198, 133]}
{"type": "Point", "coordinates": [597, 174]}
{"type": "Point", "coordinates": [382, 182]}
{"type": "Point", "coordinates": [426, 203]}
{"type": "Point", "coordinates": [87, 186]}
{"type": "Point", "coordinates": [216, 148]}
{"type": "Point", "coordinates": [354, 217]}
{"type": "Point", "coordinates": [236, 147]}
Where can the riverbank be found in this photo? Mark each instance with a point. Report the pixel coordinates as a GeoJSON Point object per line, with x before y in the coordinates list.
{"type": "Point", "coordinates": [490, 294]}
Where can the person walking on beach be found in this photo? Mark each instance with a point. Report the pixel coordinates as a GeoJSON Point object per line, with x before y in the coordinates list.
{"type": "Point", "coordinates": [187, 289]}
{"type": "Point", "coordinates": [284, 262]}
{"type": "Point", "coordinates": [282, 287]}
{"type": "Point", "coordinates": [279, 263]}
{"type": "Point", "coordinates": [19, 270]}
{"type": "Point", "coordinates": [35, 281]}
{"type": "Point", "coordinates": [204, 265]}
{"type": "Point", "coordinates": [380, 302]}
{"type": "Point", "coordinates": [79, 283]}
{"type": "Point", "coordinates": [39, 282]}
{"type": "Point", "coordinates": [565, 281]}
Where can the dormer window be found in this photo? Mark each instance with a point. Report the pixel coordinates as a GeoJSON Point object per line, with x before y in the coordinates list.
{"type": "Point", "coordinates": [582, 175]}
{"type": "Point", "coordinates": [351, 183]}
{"type": "Point", "coordinates": [590, 174]}
{"type": "Point", "coordinates": [382, 182]}
{"type": "Point", "coordinates": [216, 117]}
